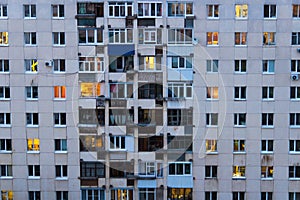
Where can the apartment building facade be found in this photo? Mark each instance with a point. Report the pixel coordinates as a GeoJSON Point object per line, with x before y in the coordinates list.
{"type": "Point", "coordinates": [149, 100]}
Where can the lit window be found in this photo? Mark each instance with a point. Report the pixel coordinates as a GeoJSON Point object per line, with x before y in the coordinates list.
{"type": "Point", "coordinates": [91, 64]}
{"type": "Point", "coordinates": [149, 9]}
{"type": "Point", "coordinates": [240, 66]}
{"type": "Point", "coordinates": [95, 194]}
{"type": "Point", "coordinates": [59, 65]}
{"type": "Point", "coordinates": [211, 146]}
{"type": "Point", "coordinates": [147, 193]}
{"type": "Point", "coordinates": [295, 65]}
{"type": "Point", "coordinates": [212, 38]}
{"type": "Point", "coordinates": [294, 172]}
{"type": "Point", "coordinates": [117, 143]}
{"type": "Point", "coordinates": [212, 66]}
{"type": "Point", "coordinates": [33, 144]}
{"type": "Point", "coordinates": [268, 93]}
{"type": "Point", "coordinates": [266, 195]}
{"type": "Point", "coordinates": [180, 36]}
{"type": "Point", "coordinates": [268, 66]}
{"type": "Point", "coordinates": [295, 38]}
{"type": "Point", "coordinates": [33, 171]}
{"type": "Point", "coordinates": [270, 11]}
{"type": "Point", "coordinates": [211, 119]}
{"type": "Point", "coordinates": [241, 11]}
{"type": "Point", "coordinates": [5, 119]}
{"type": "Point", "coordinates": [4, 93]}
{"type": "Point", "coordinates": [180, 90]}
{"type": "Point", "coordinates": [180, 9]}
{"type": "Point", "coordinates": [7, 195]}
{"type": "Point", "coordinates": [4, 66]}
{"type": "Point", "coordinates": [212, 93]}
{"type": "Point", "coordinates": [59, 92]}
{"type": "Point", "coordinates": [267, 172]}
{"type": "Point", "coordinates": [267, 120]}
{"type": "Point", "coordinates": [3, 11]}
{"type": "Point", "coordinates": [180, 169]}
{"type": "Point", "coordinates": [32, 92]}
{"type": "Point", "coordinates": [120, 9]}
{"type": "Point", "coordinates": [240, 93]}
{"type": "Point", "coordinates": [5, 145]}
{"type": "Point", "coordinates": [296, 11]}
{"type": "Point", "coordinates": [212, 11]}
{"type": "Point", "coordinates": [58, 11]}
{"type": "Point", "coordinates": [294, 146]}
{"type": "Point", "coordinates": [62, 195]}
{"type": "Point", "coordinates": [58, 38]}
{"type": "Point", "coordinates": [178, 62]}
{"type": "Point", "coordinates": [91, 143]}
{"type": "Point", "coordinates": [179, 193]}
{"type": "Point", "coordinates": [90, 89]}
{"type": "Point", "coordinates": [239, 146]}
{"type": "Point", "coordinates": [120, 36]}
{"type": "Point", "coordinates": [30, 11]}
{"type": "Point", "coordinates": [150, 36]}
{"type": "Point", "coordinates": [32, 119]}
{"type": "Point", "coordinates": [211, 195]}
{"type": "Point", "coordinates": [240, 38]}
{"type": "Point", "coordinates": [149, 63]}
{"type": "Point", "coordinates": [120, 194]}
{"type": "Point", "coordinates": [238, 196]}
{"type": "Point", "coordinates": [60, 145]}
{"type": "Point", "coordinates": [60, 119]}
{"type": "Point", "coordinates": [267, 146]}
{"type": "Point", "coordinates": [30, 38]}
{"type": "Point", "coordinates": [31, 65]}
{"type": "Point", "coordinates": [61, 171]}
{"type": "Point", "coordinates": [121, 63]}
{"type": "Point", "coordinates": [3, 38]}
{"type": "Point", "coordinates": [238, 171]}
{"type": "Point", "coordinates": [211, 171]}
{"type": "Point", "coordinates": [239, 119]}
{"type": "Point", "coordinates": [294, 195]}
{"type": "Point", "coordinates": [6, 171]}
{"type": "Point", "coordinates": [269, 38]}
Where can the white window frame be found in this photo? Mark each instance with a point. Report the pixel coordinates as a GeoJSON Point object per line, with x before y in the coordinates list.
{"type": "Point", "coordinates": [3, 14]}
{"type": "Point", "coordinates": [269, 119]}
{"type": "Point", "coordinates": [30, 91]}
{"type": "Point", "coordinates": [241, 37]}
{"type": "Point", "coordinates": [36, 172]}
{"type": "Point", "coordinates": [214, 39]}
{"type": "Point", "coordinates": [296, 120]}
{"type": "Point", "coordinates": [32, 38]}
{"type": "Point", "coordinates": [85, 194]}
{"type": "Point", "coordinates": [270, 14]}
{"type": "Point", "coordinates": [61, 169]}
{"type": "Point", "coordinates": [149, 169]}
{"type": "Point", "coordinates": [116, 95]}
{"type": "Point", "coordinates": [212, 93]}
{"type": "Point", "coordinates": [6, 172]}
{"type": "Point", "coordinates": [95, 37]}
{"type": "Point", "coordinates": [32, 11]}
{"type": "Point", "coordinates": [295, 169]}
{"type": "Point", "coordinates": [184, 39]}
{"type": "Point", "coordinates": [269, 38]}
{"type": "Point", "coordinates": [180, 62]}
{"type": "Point", "coordinates": [241, 146]}
{"type": "Point", "coordinates": [269, 91]}
{"type": "Point", "coordinates": [267, 174]}
{"type": "Point", "coordinates": [210, 117]}
{"type": "Point", "coordinates": [212, 11]}
{"type": "Point", "coordinates": [211, 195]}
{"type": "Point", "coordinates": [238, 120]}
{"type": "Point", "coordinates": [62, 145]}
{"type": "Point", "coordinates": [210, 169]}
{"type": "Point", "coordinates": [240, 93]}
{"type": "Point", "coordinates": [185, 12]}
{"type": "Point", "coordinates": [126, 5]}
{"type": "Point", "coordinates": [36, 195]}
{"type": "Point", "coordinates": [212, 66]}
{"type": "Point", "coordinates": [6, 93]}
{"type": "Point", "coordinates": [239, 197]}
{"type": "Point", "coordinates": [240, 66]}
{"type": "Point", "coordinates": [30, 122]}
{"type": "Point", "coordinates": [143, 7]}
{"type": "Point", "coordinates": [243, 11]}
{"type": "Point", "coordinates": [296, 38]}
{"type": "Point", "coordinates": [268, 64]}
{"type": "Point", "coordinates": [30, 66]}
{"type": "Point", "coordinates": [5, 145]}
{"type": "Point", "coordinates": [211, 146]}
{"type": "Point", "coordinates": [183, 168]}
{"type": "Point", "coordinates": [4, 66]}
{"type": "Point", "coordinates": [115, 36]}
{"type": "Point", "coordinates": [61, 38]}
{"type": "Point", "coordinates": [6, 120]}
{"type": "Point", "coordinates": [295, 66]}
{"type": "Point", "coordinates": [296, 11]}
{"type": "Point", "coordinates": [239, 170]}
{"type": "Point", "coordinates": [143, 32]}
{"type": "Point", "coordinates": [59, 65]}
{"type": "Point", "coordinates": [294, 146]}
{"type": "Point", "coordinates": [63, 195]}
{"type": "Point", "coordinates": [90, 64]}
{"type": "Point", "coordinates": [267, 195]}
{"type": "Point", "coordinates": [60, 91]}
{"type": "Point", "coordinates": [181, 88]}
{"type": "Point", "coordinates": [60, 117]}
{"type": "Point", "coordinates": [58, 7]}
{"type": "Point", "coordinates": [148, 191]}
{"type": "Point", "coordinates": [116, 140]}
{"type": "Point", "coordinates": [294, 195]}
{"type": "Point", "coordinates": [144, 63]}
{"type": "Point", "coordinates": [267, 144]}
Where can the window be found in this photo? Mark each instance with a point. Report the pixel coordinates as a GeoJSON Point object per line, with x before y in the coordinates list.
{"type": "Point", "coordinates": [239, 146]}
{"type": "Point", "coordinates": [240, 66]}
{"type": "Point", "coordinates": [269, 11]}
{"type": "Point", "coordinates": [3, 38]}
{"type": "Point", "coordinates": [90, 8]}
{"type": "Point", "coordinates": [296, 11]}
{"type": "Point", "coordinates": [211, 171]}
{"type": "Point", "coordinates": [294, 119]}
{"type": "Point", "coordinates": [178, 62]}
{"type": "Point", "coordinates": [295, 65]}
{"type": "Point", "coordinates": [90, 35]}
{"type": "Point", "coordinates": [267, 119]}
{"type": "Point", "coordinates": [7, 195]}
{"type": "Point", "coordinates": [120, 36]}
{"type": "Point", "coordinates": [294, 172]}
{"type": "Point", "coordinates": [212, 11]}
{"type": "Point", "coordinates": [212, 93]}
{"type": "Point", "coordinates": [150, 117]}
{"type": "Point", "coordinates": [5, 145]}
{"type": "Point", "coordinates": [150, 91]}
{"type": "Point", "coordinates": [32, 119]}
{"type": "Point", "coordinates": [121, 90]}
{"type": "Point", "coordinates": [147, 169]}
{"type": "Point", "coordinates": [147, 193]}
{"type": "Point", "coordinates": [6, 171]}
{"type": "Point", "coordinates": [266, 195]}
{"type": "Point", "coordinates": [240, 38]}
{"type": "Point", "coordinates": [211, 195]}
{"type": "Point", "coordinates": [92, 169]}
{"type": "Point", "coordinates": [31, 65]}
{"type": "Point", "coordinates": [180, 117]}
{"type": "Point", "coordinates": [295, 93]}
{"type": "Point", "coordinates": [33, 171]}
{"type": "Point", "coordinates": [91, 143]}
{"type": "Point", "coordinates": [61, 171]}
{"type": "Point", "coordinates": [59, 65]}
{"type": "Point", "coordinates": [30, 11]}
{"type": "Point", "coordinates": [4, 93]}
{"type": "Point", "coordinates": [176, 9]}
{"type": "Point", "coordinates": [60, 145]}
{"type": "Point", "coordinates": [3, 11]}
{"type": "Point", "coordinates": [211, 119]}
{"type": "Point", "coordinates": [211, 146]}
{"type": "Point", "coordinates": [183, 193]}
{"type": "Point", "coordinates": [180, 90]}
{"type": "Point", "coordinates": [238, 196]}
{"type": "Point", "coordinates": [61, 195]}
{"type": "Point", "coordinates": [267, 172]}
{"type": "Point", "coordinates": [59, 92]}
{"type": "Point", "coordinates": [149, 9]}
{"type": "Point", "coordinates": [150, 36]}
{"type": "Point", "coordinates": [121, 117]}
{"type": "Point", "coordinates": [294, 195]}
{"type": "Point", "coordinates": [91, 64]}
{"type": "Point", "coordinates": [294, 146]}
{"type": "Point", "coordinates": [60, 119]}
{"type": "Point", "coordinates": [212, 38]}
{"type": "Point", "coordinates": [120, 194]}
{"type": "Point", "coordinates": [58, 38]}
{"type": "Point", "coordinates": [33, 144]}
{"type": "Point", "coordinates": [180, 169]}
{"type": "Point", "coordinates": [267, 146]}
{"type": "Point", "coordinates": [117, 143]}
{"type": "Point", "coordinates": [30, 38]}
{"type": "Point", "coordinates": [34, 195]}
{"type": "Point", "coordinates": [241, 11]}
{"type": "Point", "coordinates": [120, 9]}
{"type": "Point", "coordinates": [149, 63]}
{"type": "Point", "coordinates": [93, 194]}
{"type": "Point", "coordinates": [180, 143]}
{"type": "Point", "coordinates": [150, 143]}
{"type": "Point", "coordinates": [268, 66]}
{"type": "Point", "coordinates": [121, 63]}
{"type": "Point", "coordinates": [32, 92]}
{"type": "Point", "coordinates": [269, 38]}
{"type": "Point", "coordinates": [121, 169]}
{"type": "Point", "coordinates": [240, 93]}
{"type": "Point", "coordinates": [240, 119]}
{"type": "Point", "coordinates": [268, 93]}
{"type": "Point", "coordinates": [5, 119]}
{"type": "Point", "coordinates": [58, 11]}
{"type": "Point", "coordinates": [90, 89]}
{"type": "Point", "coordinates": [212, 65]}
{"type": "Point", "coordinates": [295, 38]}
{"type": "Point", "coordinates": [238, 171]}
{"type": "Point", "coordinates": [4, 66]}
{"type": "Point", "coordinates": [180, 36]}
{"type": "Point", "coordinates": [91, 117]}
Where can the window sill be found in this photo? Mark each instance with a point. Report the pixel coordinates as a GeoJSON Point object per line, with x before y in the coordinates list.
{"type": "Point", "coordinates": [238, 178]}
{"type": "Point", "coordinates": [58, 18]}
{"type": "Point", "coordinates": [30, 72]}
{"type": "Point", "coordinates": [116, 150]}
{"type": "Point", "coordinates": [4, 99]}
{"type": "Point", "coordinates": [32, 126]}
{"type": "Point", "coordinates": [211, 126]}
{"type": "Point", "coordinates": [59, 72]}
{"type": "Point", "coordinates": [211, 178]}
{"type": "Point", "coordinates": [294, 126]}
{"type": "Point", "coordinates": [241, 18]}
{"type": "Point", "coordinates": [294, 152]}
{"type": "Point", "coordinates": [6, 177]}
{"type": "Point", "coordinates": [60, 152]}
{"type": "Point", "coordinates": [270, 18]}
{"type": "Point", "coordinates": [61, 178]}
{"type": "Point", "coordinates": [33, 152]}
{"type": "Point", "coordinates": [60, 126]}
{"type": "Point", "coordinates": [212, 152]}
{"type": "Point", "coordinates": [5, 126]}
{"type": "Point", "coordinates": [267, 127]}
{"type": "Point", "coordinates": [3, 18]}
{"type": "Point", "coordinates": [5, 152]}
{"type": "Point", "coordinates": [212, 99]}
{"type": "Point", "coordinates": [4, 45]}
{"type": "Point", "coordinates": [32, 99]}
{"type": "Point", "coordinates": [240, 45]}
{"type": "Point", "coordinates": [267, 152]}
{"type": "Point", "coordinates": [239, 152]}
{"type": "Point", "coordinates": [29, 17]}
{"type": "Point", "coordinates": [240, 73]}
{"type": "Point", "coordinates": [236, 99]}
{"type": "Point", "coordinates": [30, 45]}
{"type": "Point", "coordinates": [268, 73]}
{"type": "Point", "coordinates": [2, 72]}
{"type": "Point", "coordinates": [59, 45]}
{"type": "Point", "coordinates": [294, 179]}
{"type": "Point", "coordinates": [59, 99]}
{"type": "Point", "coordinates": [296, 100]}
{"type": "Point", "coordinates": [34, 177]}
{"type": "Point", "coordinates": [212, 45]}
{"type": "Point", "coordinates": [239, 126]}
{"type": "Point", "coordinates": [266, 179]}
{"type": "Point", "coordinates": [268, 100]}
{"type": "Point", "coordinates": [213, 18]}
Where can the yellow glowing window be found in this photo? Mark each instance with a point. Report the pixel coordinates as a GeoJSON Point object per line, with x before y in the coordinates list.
{"type": "Point", "coordinates": [212, 93]}
{"type": "Point", "coordinates": [211, 145]}
{"type": "Point", "coordinates": [238, 171]}
{"type": "Point", "coordinates": [3, 38]}
{"type": "Point", "coordinates": [212, 38]}
{"type": "Point", "coordinates": [90, 89]}
{"type": "Point", "coordinates": [241, 11]}
{"type": "Point", "coordinates": [33, 144]}
{"type": "Point", "coordinates": [7, 195]}
{"type": "Point", "coordinates": [150, 63]}
{"type": "Point", "coordinates": [60, 92]}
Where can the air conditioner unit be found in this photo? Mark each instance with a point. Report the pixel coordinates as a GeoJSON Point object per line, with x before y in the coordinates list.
{"type": "Point", "coordinates": [294, 76]}
{"type": "Point", "coordinates": [49, 63]}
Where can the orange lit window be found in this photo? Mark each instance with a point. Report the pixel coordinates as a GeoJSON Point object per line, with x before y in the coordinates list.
{"type": "Point", "coordinates": [33, 144]}
{"type": "Point", "coordinates": [212, 38]}
{"type": "Point", "coordinates": [60, 92]}
{"type": "Point", "coordinates": [90, 89]}
{"type": "Point", "coordinates": [7, 195]}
